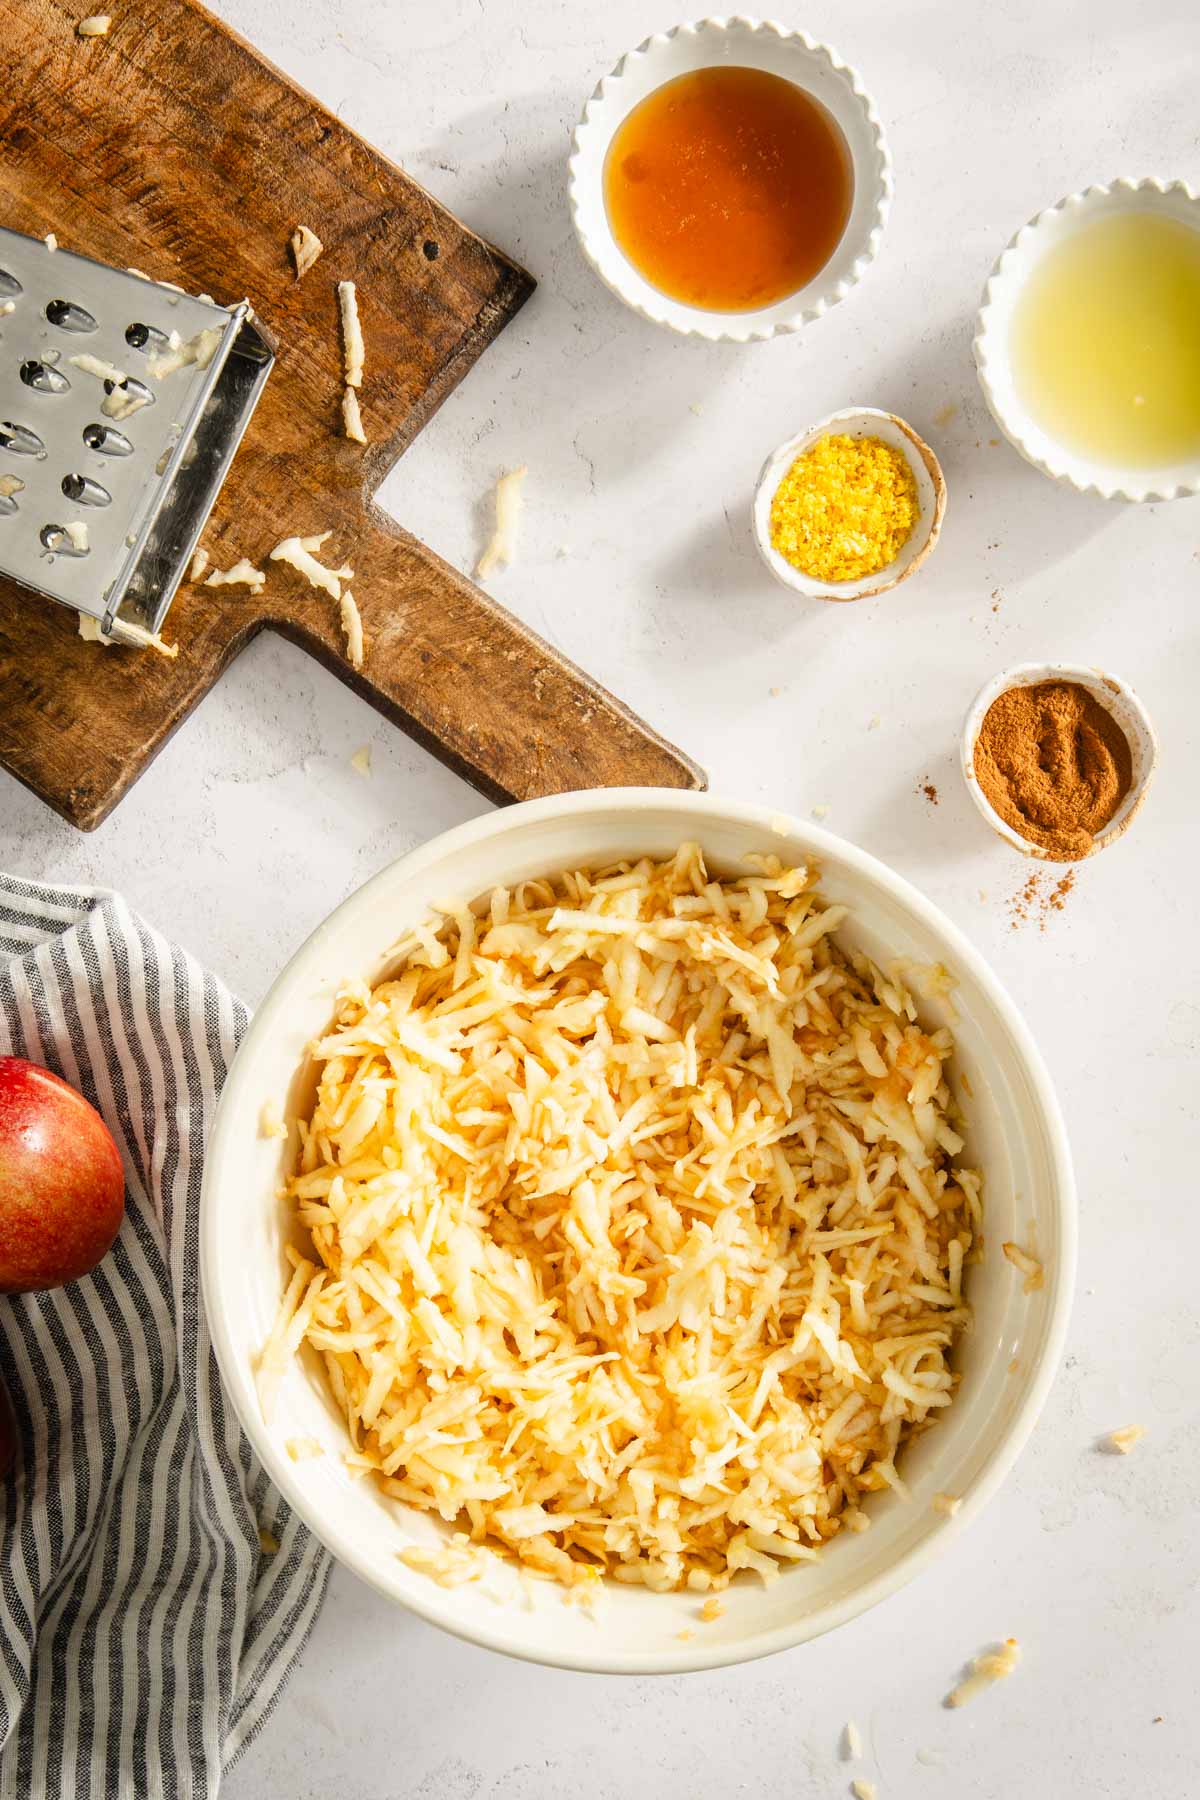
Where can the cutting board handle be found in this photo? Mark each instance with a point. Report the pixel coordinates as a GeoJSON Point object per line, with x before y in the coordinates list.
{"type": "Point", "coordinates": [480, 690]}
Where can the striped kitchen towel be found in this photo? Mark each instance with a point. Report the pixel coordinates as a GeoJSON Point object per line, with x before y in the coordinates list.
{"type": "Point", "coordinates": [155, 1591]}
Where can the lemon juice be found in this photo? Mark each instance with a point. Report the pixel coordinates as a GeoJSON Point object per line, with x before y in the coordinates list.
{"type": "Point", "coordinates": [1106, 341]}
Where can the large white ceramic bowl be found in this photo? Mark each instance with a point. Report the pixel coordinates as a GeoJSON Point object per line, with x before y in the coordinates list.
{"type": "Point", "coordinates": [751, 44]}
{"type": "Point", "coordinates": [1007, 1361]}
{"type": "Point", "coordinates": [993, 359]}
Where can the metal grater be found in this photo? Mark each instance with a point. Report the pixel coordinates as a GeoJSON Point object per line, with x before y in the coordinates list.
{"type": "Point", "coordinates": [138, 464]}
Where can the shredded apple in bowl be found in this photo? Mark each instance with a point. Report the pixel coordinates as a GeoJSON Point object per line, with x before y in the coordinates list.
{"type": "Point", "coordinates": [639, 1236]}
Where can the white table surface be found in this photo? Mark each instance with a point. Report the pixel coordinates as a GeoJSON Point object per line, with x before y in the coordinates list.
{"type": "Point", "coordinates": [252, 824]}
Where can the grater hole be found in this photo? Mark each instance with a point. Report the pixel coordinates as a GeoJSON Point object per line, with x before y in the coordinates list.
{"type": "Point", "coordinates": [44, 379]}
{"type": "Point", "coordinates": [9, 285]}
{"type": "Point", "coordinates": [87, 492]}
{"type": "Point", "coordinates": [57, 539]}
{"type": "Point", "coordinates": [142, 337]}
{"type": "Point", "coordinates": [107, 440]}
{"type": "Point", "coordinates": [131, 393]}
{"type": "Point", "coordinates": [69, 317]}
{"type": "Point", "coordinates": [20, 439]}
{"type": "Point", "coordinates": [8, 506]}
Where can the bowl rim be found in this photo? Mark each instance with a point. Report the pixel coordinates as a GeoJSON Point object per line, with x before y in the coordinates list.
{"type": "Point", "coordinates": [1099, 683]}
{"type": "Point", "coordinates": [1061, 1254]}
{"type": "Point", "coordinates": [988, 353]}
{"type": "Point", "coordinates": [776, 466]}
{"type": "Point", "coordinates": [721, 327]}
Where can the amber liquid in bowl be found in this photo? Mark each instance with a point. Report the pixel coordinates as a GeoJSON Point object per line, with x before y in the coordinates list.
{"type": "Point", "coordinates": [728, 188]}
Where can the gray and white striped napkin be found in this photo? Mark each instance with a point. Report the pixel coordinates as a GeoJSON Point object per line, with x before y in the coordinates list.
{"type": "Point", "coordinates": [147, 1624]}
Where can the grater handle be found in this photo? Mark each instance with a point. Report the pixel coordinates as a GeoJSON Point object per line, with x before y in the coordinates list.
{"type": "Point", "coordinates": [502, 708]}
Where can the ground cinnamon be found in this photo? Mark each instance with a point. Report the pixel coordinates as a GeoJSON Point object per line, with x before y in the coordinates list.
{"type": "Point", "coordinates": [1054, 764]}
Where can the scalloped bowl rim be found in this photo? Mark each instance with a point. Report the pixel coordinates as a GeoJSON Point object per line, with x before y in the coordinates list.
{"type": "Point", "coordinates": [1053, 459]}
{"type": "Point", "coordinates": [586, 164]}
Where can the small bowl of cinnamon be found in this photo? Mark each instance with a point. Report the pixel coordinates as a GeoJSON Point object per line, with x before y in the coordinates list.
{"type": "Point", "coordinates": [1058, 758]}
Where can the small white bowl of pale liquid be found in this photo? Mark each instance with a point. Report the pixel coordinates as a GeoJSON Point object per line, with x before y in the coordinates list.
{"type": "Point", "coordinates": [1088, 341]}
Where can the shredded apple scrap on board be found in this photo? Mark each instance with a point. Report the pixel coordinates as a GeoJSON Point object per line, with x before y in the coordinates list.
{"type": "Point", "coordinates": [638, 1233]}
{"type": "Point", "coordinates": [306, 246]}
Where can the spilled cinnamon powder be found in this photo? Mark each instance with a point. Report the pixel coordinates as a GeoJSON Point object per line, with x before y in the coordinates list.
{"type": "Point", "coordinates": [1039, 896]}
{"type": "Point", "coordinates": [1054, 764]}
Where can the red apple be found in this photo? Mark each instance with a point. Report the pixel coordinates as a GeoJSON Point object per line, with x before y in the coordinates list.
{"type": "Point", "coordinates": [62, 1188]}
{"type": "Point", "coordinates": [8, 1432]}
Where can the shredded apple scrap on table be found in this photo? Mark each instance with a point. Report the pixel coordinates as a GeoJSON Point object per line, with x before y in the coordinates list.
{"type": "Point", "coordinates": [639, 1237]}
{"type": "Point", "coordinates": [994, 1665]}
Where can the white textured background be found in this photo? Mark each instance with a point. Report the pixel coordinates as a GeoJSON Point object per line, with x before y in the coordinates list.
{"type": "Point", "coordinates": [252, 825]}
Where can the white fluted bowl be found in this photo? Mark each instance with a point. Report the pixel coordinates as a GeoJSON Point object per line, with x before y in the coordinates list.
{"type": "Point", "coordinates": [743, 43]}
{"type": "Point", "coordinates": [993, 359]}
{"type": "Point", "coordinates": [1007, 1360]}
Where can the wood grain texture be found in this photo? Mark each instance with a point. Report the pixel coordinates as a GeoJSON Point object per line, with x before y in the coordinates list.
{"type": "Point", "coordinates": [171, 144]}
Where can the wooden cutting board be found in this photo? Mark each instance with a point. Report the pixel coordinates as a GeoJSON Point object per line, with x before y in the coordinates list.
{"type": "Point", "coordinates": [171, 145]}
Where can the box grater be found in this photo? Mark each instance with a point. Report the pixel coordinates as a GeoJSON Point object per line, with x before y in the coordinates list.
{"type": "Point", "coordinates": [122, 403]}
